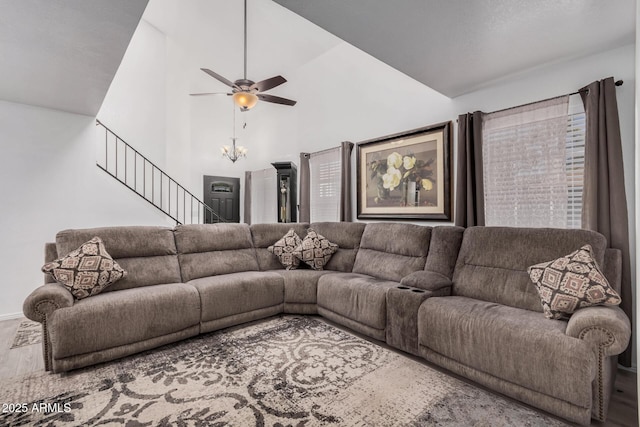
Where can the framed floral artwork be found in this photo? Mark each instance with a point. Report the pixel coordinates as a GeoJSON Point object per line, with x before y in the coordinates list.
{"type": "Point", "coordinates": [406, 175]}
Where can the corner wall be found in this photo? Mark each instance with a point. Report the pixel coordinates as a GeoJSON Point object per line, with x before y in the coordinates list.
{"type": "Point", "coordinates": [50, 183]}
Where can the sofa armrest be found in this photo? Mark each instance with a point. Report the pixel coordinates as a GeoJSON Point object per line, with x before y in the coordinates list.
{"type": "Point", "coordinates": [46, 299]}
{"type": "Point", "coordinates": [428, 280]}
{"type": "Point", "coordinates": [607, 327]}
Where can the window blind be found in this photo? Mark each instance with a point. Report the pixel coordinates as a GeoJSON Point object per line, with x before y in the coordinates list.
{"type": "Point", "coordinates": [325, 174]}
{"type": "Point", "coordinates": [533, 165]}
{"type": "Point", "coordinates": [576, 127]}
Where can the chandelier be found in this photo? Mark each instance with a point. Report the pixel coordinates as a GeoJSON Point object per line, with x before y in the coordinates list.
{"type": "Point", "coordinates": [234, 152]}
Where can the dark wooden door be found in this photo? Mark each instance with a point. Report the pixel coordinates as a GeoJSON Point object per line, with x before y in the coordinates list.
{"type": "Point", "coordinates": [222, 194]}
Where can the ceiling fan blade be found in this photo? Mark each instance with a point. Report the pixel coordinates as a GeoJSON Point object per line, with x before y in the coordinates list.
{"type": "Point", "coordinates": [210, 93]}
{"type": "Point", "coordinates": [276, 99]}
{"type": "Point", "coordinates": [267, 84]}
{"type": "Point", "coordinates": [218, 77]}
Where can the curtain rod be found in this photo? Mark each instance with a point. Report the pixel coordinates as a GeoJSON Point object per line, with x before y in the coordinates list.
{"type": "Point", "coordinates": [617, 83]}
{"type": "Point", "coordinates": [326, 150]}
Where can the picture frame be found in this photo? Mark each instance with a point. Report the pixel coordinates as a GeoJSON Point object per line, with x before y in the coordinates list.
{"type": "Point", "coordinates": [406, 176]}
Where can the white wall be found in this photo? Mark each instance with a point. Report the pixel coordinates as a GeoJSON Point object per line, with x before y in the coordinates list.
{"type": "Point", "coordinates": [50, 183]}
{"type": "Point", "coordinates": [344, 95]}
{"type": "Point", "coordinates": [135, 106]}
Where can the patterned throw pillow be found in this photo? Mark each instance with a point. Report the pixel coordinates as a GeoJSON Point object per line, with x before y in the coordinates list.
{"type": "Point", "coordinates": [570, 283]}
{"type": "Point", "coordinates": [86, 271]}
{"type": "Point", "coordinates": [315, 250]}
{"type": "Point", "coordinates": [284, 248]}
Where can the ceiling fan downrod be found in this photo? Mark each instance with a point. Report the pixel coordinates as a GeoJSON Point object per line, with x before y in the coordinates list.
{"type": "Point", "coordinates": [245, 39]}
{"type": "Point", "coordinates": [245, 92]}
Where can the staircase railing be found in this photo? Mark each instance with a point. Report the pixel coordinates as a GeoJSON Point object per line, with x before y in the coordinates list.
{"type": "Point", "coordinates": [143, 177]}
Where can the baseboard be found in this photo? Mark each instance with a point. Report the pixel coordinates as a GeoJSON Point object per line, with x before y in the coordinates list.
{"type": "Point", "coordinates": [10, 316]}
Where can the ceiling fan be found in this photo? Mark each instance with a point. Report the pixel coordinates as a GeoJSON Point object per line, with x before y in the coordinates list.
{"type": "Point", "coordinates": [245, 92]}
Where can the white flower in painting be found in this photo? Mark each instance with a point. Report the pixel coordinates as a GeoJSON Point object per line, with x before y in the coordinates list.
{"type": "Point", "coordinates": [394, 160]}
{"type": "Point", "coordinates": [409, 162]}
{"type": "Point", "coordinates": [427, 184]}
{"type": "Point", "coordinates": [391, 179]}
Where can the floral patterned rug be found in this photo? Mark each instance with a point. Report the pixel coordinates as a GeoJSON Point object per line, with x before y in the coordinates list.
{"type": "Point", "coordinates": [28, 333]}
{"type": "Point", "coordinates": [284, 371]}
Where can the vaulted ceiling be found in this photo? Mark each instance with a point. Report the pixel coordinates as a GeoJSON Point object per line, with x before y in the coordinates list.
{"type": "Point", "coordinates": [63, 54]}
{"type": "Point", "coordinates": [458, 46]}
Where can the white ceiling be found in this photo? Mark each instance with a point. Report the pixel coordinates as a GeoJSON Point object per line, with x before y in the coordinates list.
{"type": "Point", "coordinates": [458, 46]}
{"type": "Point", "coordinates": [210, 33]}
{"type": "Point", "coordinates": [63, 54]}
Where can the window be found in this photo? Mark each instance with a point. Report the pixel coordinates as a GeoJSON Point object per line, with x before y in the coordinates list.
{"type": "Point", "coordinates": [533, 160]}
{"type": "Point", "coordinates": [325, 174]}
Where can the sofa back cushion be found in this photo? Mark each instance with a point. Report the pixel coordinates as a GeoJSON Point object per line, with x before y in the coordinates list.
{"type": "Point", "coordinates": [444, 249]}
{"type": "Point", "coordinates": [391, 251]}
{"type": "Point", "coordinates": [347, 235]}
{"type": "Point", "coordinates": [213, 249]}
{"type": "Point", "coordinates": [265, 235]}
{"type": "Point", "coordinates": [147, 254]}
{"type": "Point", "coordinates": [493, 261]}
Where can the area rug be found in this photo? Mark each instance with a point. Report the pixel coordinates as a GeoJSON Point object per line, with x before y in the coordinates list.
{"type": "Point", "coordinates": [28, 333]}
{"type": "Point", "coordinates": [286, 371]}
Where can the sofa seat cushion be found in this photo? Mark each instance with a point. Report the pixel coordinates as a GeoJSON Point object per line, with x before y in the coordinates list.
{"type": "Point", "coordinates": [112, 319]}
{"type": "Point", "coordinates": [301, 286]}
{"type": "Point", "coordinates": [516, 345]}
{"type": "Point", "coordinates": [356, 296]}
{"type": "Point", "coordinates": [236, 293]}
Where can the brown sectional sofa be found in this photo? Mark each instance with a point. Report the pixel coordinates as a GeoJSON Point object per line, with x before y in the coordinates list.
{"type": "Point", "coordinates": [461, 299]}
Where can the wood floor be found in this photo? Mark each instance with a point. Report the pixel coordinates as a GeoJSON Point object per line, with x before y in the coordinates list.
{"type": "Point", "coordinates": [623, 409]}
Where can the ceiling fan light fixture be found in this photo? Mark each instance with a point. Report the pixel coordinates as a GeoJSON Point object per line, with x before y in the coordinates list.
{"type": "Point", "coordinates": [245, 100]}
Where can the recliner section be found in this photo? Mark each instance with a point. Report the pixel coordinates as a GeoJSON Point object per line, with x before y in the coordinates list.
{"type": "Point", "coordinates": [386, 254]}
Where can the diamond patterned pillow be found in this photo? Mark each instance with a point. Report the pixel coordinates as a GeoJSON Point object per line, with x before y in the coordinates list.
{"type": "Point", "coordinates": [87, 270]}
{"type": "Point", "coordinates": [570, 283]}
{"type": "Point", "coordinates": [284, 248]}
{"type": "Point", "coordinates": [315, 250]}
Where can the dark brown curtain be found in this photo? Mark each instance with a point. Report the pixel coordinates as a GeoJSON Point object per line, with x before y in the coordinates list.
{"type": "Point", "coordinates": [305, 189]}
{"type": "Point", "coordinates": [346, 148]}
{"type": "Point", "coordinates": [247, 197]}
{"type": "Point", "coordinates": [604, 205]}
{"type": "Point", "coordinates": [469, 180]}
